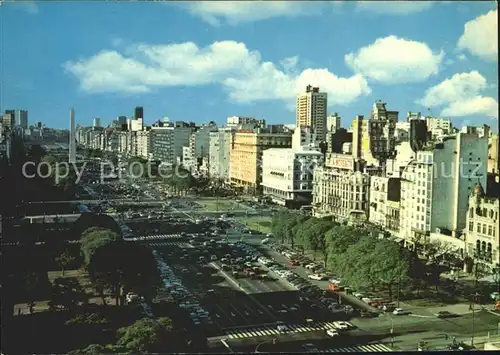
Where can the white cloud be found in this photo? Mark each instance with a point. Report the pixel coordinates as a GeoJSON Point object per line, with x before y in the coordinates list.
{"type": "Point", "coordinates": [393, 7]}
{"type": "Point", "coordinates": [480, 36]}
{"type": "Point", "coordinates": [393, 60]}
{"type": "Point", "coordinates": [462, 57]}
{"type": "Point", "coordinates": [234, 12]}
{"type": "Point", "coordinates": [478, 105]}
{"type": "Point", "coordinates": [460, 96]}
{"type": "Point", "coordinates": [230, 64]}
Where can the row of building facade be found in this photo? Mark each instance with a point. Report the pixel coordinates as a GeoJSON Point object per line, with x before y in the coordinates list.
{"type": "Point", "coordinates": [418, 178]}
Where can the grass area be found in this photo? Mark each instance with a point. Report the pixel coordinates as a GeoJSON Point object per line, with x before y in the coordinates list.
{"type": "Point", "coordinates": [261, 224]}
{"type": "Point", "coordinates": [214, 205]}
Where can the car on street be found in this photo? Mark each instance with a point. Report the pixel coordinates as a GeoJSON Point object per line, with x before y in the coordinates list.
{"type": "Point", "coordinates": [332, 333]}
{"type": "Point", "coordinates": [310, 348]}
{"type": "Point", "coordinates": [445, 314]}
{"type": "Point", "coordinates": [400, 312]}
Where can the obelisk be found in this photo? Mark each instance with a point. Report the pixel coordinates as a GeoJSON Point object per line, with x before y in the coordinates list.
{"type": "Point", "coordinates": [72, 137]}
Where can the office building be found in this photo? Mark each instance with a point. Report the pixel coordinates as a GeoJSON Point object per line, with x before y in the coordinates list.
{"type": "Point", "coordinates": [97, 122]}
{"type": "Point", "coordinates": [240, 122]}
{"type": "Point", "coordinates": [168, 142]}
{"type": "Point", "coordinates": [139, 113]}
{"type": "Point", "coordinates": [245, 158]}
{"type": "Point", "coordinates": [482, 231]}
{"type": "Point", "coordinates": [287, 173]}
{"type": "Point", "coordinates": [311, 111]}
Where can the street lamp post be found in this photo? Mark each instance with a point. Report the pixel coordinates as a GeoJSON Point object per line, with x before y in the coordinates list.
{"type": "Point", "coordinates": [474, 298]}
{"type": "Point", "coordinates": [496, 276]}
{"type": "Point", "coordinates": [391, 330]}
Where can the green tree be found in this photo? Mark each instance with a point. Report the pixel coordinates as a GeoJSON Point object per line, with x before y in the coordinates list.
{"type": "Point", "coordinates": [357, 264]}
{"type": "Point", "coordinates": [64, 260]}
{"type": "Point", "coordinates": [150, 335]}
{"type": "Point", "coordinates": [67, 293]}
{"type": "Point", "coordinates": [391, 265]}
{"type": "Point", "coordinates": [94, 239]}
{"type": "Point", "coordinates": [122, 276]}
{"type": "Point", "coordinates": [338, 240]}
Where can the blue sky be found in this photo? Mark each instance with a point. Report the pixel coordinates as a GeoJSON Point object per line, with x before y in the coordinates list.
{"type": "Point", "coordinates": [201, 61]}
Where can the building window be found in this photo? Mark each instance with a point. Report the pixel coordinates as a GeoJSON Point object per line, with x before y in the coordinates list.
{"type": "Point", "coordinates": [484, 228]}
{"type": "Point", "coordinates": [478, 229]}
{"type": "Point", "coordinates": [471, 226]}
{"type": "Point", "coordinates": [490, 230]}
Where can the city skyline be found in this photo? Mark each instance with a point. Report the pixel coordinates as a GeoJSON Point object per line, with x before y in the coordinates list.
{"type": "Point", "coordinates": [453, 71]}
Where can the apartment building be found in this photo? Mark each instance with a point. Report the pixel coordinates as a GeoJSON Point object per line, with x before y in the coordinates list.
{"type": "Point", "coordinates": [199, 144]}
{"type": "Point", "coordinates": [341, 189]}
{"type": "Point", "coordinates": [385, 198]}
{"type": "Point", "coordinates": [435, 189]}
{"type": "Point", "coordinates": [333, 123]}
{"type": "Point", "coordinates": [219, 148]}
{"type": "Point", "coordinates": [240, 122]}
{"type": "Point", "coordinates": [245, 157]}
{"type": "Point", "coordinates": [311, 108]}
{"type": "Point", "coordinates": [493, 162]}
{"type": "Point", "coordinates": [438, 127]}
{"type": "Point", "coordinates": [374, 140]}
{"type": "Point", "coordinates": [143, 144]}
{"type": "Point", "coordinates": [482, 232]}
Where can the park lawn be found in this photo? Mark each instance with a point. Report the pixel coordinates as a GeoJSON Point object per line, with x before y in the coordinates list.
{"type": "Point", "coordinates": [214, 205]}
{"type": "Point", "coordinates": [261, 224]}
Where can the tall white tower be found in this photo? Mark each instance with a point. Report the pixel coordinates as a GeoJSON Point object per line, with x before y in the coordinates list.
{"type": "Point", "coordinates": [72, 137]}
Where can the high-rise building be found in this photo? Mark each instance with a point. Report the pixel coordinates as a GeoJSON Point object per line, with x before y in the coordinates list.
{"type": "Point", "coordinates": [97, 122]}
{"type": "Point", "coordinates": [139, 112]}
{"type": "Point", "coordinates": [311, 111]}
{"type": "Point", "coordinates": [333, 123]}
{"type": "Point", "coordinates": [72, 137]}
{"type": "Point", "coordinates": [22, 118]}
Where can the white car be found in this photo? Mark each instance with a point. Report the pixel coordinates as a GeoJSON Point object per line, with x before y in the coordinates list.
{"type": "Point", "coordinates": [358, 295]}
{"type": "Point", "coordinates": [495, 296]}
{"type": "Point", "coordinates": [332, 332]}
{"type": "Point", "coordinates": [314, 277]}
{"type": "Point", "coordinates": [342, 326]}
{"type": "Point", "coordinates": [400, 312]}
{"type": "Point", "coordinates": [310, 266]}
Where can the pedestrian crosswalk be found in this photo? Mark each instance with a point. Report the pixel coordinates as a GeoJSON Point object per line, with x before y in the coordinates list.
{"type": "Point", "coordinates": [169, 244]}
{"type": "Point", "coordinates": [160, 237]}
{"type": "Point", "coordinates": [370, 348]}
{"type": "Point", "coordinates": [272, 330]}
